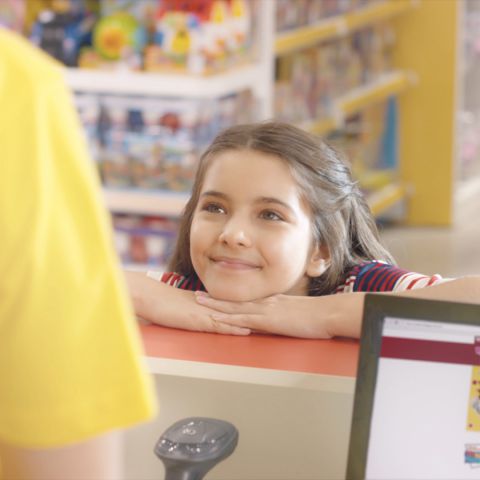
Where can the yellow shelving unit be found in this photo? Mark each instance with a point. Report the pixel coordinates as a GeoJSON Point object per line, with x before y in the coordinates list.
{"type": "Point", "coordinates": [386, 197]}
{"type": "Point", "coordinates": [427, 43]}
{"type": "Point", "coordinates": [354, 101]}
{"type": "Point", "coordinates": [377, 12]}
{"type": "Point", "coordinates": [387, 85]}
{"type": "Point", "coordinates": [425, 59]}
{"type": "Point", "coordinates": [384, 189]}
{"type": "Point", "coordinates": [322, 126]}
{"type": "Point", "coordinates": [339, 25]}
{"type": "Point", "coordinates": [357, 99]}
{"type": "Point", "coordinates": [424, 80]}
{"type": "Point", "coordinates": [392, 83]}
{"type": "Point", "coordinates": [307, 36]}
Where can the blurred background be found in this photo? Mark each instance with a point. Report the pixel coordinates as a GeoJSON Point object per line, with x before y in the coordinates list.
{"type": "Point", "coordinates": [394, 84]}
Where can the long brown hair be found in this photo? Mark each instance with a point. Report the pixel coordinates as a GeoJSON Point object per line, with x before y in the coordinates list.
{"type": "Point", "coordinates": [341, 218]}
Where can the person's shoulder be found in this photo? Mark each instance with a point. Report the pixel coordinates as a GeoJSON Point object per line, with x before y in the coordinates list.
{"type": "Point", "coordinates": [370, 276]}
{"type": "Point", "coordinates": [23, 65]}
{"type": "Point", "coordinates": [379, 276]}
{"type": "Point", "coordinates": [18, 50]}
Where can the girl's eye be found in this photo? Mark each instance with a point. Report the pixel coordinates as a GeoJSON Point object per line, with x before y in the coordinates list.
{"type": "Point", "coordinates": [271, 215]}
{"type": "Point", "coordinates": [213, 208]}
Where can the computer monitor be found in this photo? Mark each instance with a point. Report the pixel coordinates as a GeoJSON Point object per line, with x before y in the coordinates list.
{"type": "Point", "coordinates": [417, 396]}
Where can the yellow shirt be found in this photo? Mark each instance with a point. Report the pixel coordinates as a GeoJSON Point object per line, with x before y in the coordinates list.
{"type": "Point", "coordinates": [70, 359]}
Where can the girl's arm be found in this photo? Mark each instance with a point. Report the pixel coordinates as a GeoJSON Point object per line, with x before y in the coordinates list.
{"type": "Point", "coordinates": [168, 306]}
{"type": "Point", "coordinates": [327, 316]}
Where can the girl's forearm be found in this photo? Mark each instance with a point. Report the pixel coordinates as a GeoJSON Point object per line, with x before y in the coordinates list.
{"type": "Point", "coordinates": [168, 306]}
{"type": "Point", "coordinates": [146, 294]}
{"type": "Point", "coordinates": [343, 313]}
{"type": "Point", "coordinates": [463, 290]}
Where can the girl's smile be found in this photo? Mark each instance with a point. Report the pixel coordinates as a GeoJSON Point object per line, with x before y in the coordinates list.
{"type": "Point", "coordinates": [252, 239]}
{"type": "Point", "coordinates": [233, 263]}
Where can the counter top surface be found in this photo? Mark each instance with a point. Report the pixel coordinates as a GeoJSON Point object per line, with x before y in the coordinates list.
{"type": "Point", "coordinates": [336, 357]}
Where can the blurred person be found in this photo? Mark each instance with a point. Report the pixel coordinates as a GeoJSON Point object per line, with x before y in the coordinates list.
{"type": "Point", "coordinates": [71, 375]}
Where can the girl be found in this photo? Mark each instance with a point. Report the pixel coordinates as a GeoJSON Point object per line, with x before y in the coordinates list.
{"type": "Point", "coordinates": [281, 238]}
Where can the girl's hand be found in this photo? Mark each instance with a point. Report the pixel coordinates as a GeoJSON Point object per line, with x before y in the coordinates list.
{"type": "Point", "coordinates": [164, 305]}
{"type": "Point", "coordinates": [279, 314]}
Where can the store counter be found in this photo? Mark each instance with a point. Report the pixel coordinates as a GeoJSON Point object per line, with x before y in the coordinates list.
{"type": "Point", "coordinates": [291, 400]}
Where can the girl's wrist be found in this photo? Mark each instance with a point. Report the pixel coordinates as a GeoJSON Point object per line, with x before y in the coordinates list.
{"type": "Point", "coordinates": [345, 312]}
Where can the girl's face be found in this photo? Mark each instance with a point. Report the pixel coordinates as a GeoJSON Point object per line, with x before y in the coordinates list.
{"type": "Point", "coordinates": [251, 233]}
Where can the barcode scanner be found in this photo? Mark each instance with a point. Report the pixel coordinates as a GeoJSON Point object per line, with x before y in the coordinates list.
{"type": "Point", "coordinates": [193, 446]}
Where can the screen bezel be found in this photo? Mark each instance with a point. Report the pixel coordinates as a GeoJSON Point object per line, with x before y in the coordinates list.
{"type": "Point", "coordinates": [377, 307]}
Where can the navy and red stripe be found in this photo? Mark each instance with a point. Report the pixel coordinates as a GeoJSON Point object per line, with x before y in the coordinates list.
{"type": "Point", "coordinates": [373, 276]}
{"type": "Point", "coordinates": [377, 277]}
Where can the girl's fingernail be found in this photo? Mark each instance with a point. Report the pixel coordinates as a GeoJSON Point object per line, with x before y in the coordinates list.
{"type": "Point", "coordinates": [201, 293]}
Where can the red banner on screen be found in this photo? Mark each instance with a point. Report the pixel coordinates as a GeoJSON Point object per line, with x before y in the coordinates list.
{"type": "Point", "coordinates": [430, 350]}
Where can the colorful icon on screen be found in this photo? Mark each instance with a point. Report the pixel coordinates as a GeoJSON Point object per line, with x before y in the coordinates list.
{"type": "Point", "coordinates": [473, 409]}
{"type": "Point", "coordinates": [472, 454]}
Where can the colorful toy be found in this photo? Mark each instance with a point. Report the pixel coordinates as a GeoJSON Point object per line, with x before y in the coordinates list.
{"type": "Point", "coordinates": [154, 143]}
{"type": "Point", "coordinates": [117, 35]}
{"type": "Point", "coordinates": [63, 30]}
{"type": "Point", "coordinates": [144, 240]}
{"type": "Point", "coordinates": [199, 36]}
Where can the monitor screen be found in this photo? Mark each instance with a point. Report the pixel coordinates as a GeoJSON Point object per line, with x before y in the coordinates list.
{"type": "Point", "coordinates": [416, 412]}
{"type": "Point", "coordinates": [426, 410]}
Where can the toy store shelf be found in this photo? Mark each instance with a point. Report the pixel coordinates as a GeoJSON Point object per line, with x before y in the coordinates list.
{"type": "Point", "coordinates": [384, 86]}
{"type": "Point", "coordinates": [384, 198]}
{"type": "Point", "coordinates": [358, 98]}
{"type": "Point", "coordinates": [162, 203]}
{"type": "Point", "coordinates": [321, 127]}
{"type": "Point", "coordinates": [339, 25]}
{"type": "Point", "coordinates": [376, 179]}
{"type": "Point", "coordinates": [171, 85]}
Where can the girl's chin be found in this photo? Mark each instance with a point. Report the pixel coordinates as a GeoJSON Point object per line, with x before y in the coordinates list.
{"type": "Point", "coordinates": [233, 296]}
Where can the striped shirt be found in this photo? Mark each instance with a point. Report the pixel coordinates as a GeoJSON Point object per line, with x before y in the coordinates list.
{"type": "Point", "coordinates": [378, 276]}
{"type": "Point", "coordinates": [373, 276]}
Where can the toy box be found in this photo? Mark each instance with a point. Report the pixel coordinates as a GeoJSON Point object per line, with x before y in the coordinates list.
{"type": "Point", "coordinates": [199, 36]}
{"type": "Point", "coordinates": [119, 35]}
{"type": "Point", "coordinates": [144, 240]}
{"type": "Point", "coordinates": [63, 27]}
{"type": "Point", "coordinates": [310, 80]}
{"type": "Point", "coordinates": [155, 143]}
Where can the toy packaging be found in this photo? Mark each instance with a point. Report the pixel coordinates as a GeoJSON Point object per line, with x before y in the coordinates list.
{"type": "Point", "coordinates": [177, 36]}
{"type": "Point", "coordinates": [292, 14]}
{"type": "Point", "coordinates": [199, 36]}
{"type": "Point", "coordinates": [144, 240]}
{"type": "Point", "coordinates": [63, 28]}
{"type": "Point", "coordinates": [308, 81]}
{"type": "Point", "coordinates": [370, 141]}
{"type": "Point", "coordinates": [155, 143]}
{"type": "Point", "coordinates": [120, 35]}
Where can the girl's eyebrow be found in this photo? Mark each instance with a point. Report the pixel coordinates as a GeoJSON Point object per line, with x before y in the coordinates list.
{"type": "Point", "coordinates": [214, 193]}
{"type": "Point", "coordinates": [260, 200]}
{"type": "Point", "coordinates": [275, 201]}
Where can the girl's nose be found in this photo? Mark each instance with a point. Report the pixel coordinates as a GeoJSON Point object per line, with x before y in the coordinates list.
{"type": "Point", "coordinates": [235, 233]}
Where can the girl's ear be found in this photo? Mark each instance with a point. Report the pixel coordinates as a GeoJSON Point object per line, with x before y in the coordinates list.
{"type": "Point", "coordinates": [318, 262]}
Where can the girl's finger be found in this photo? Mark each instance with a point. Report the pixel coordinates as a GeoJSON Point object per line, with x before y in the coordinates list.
{"type": "Point", "coordinates": [240, 320]}
{"type": "Point", "coordinates": [224, 328]}
{"type": "Point", "coordinates": [201, 293]}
